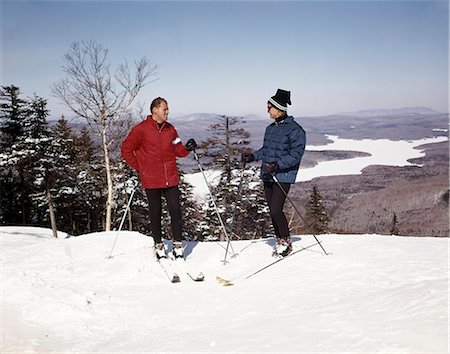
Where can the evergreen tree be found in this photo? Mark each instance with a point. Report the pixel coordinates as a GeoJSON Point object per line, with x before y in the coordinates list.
{"type": "Point", "coordinates": [35, 122]}
{"type": "Point", "coordinates": [189, 209]}
{"type": "Point", "coordinates": [227, 142]}
{"type": "Point", "coordinates": [14, 201]}
{"type": "Point", "coordinates": [394, 227]}
{"type": "Point", "coordinates": [35, 142]}
{"type": "Point", "coordinates": [90, 183]}
{"type": "Point", "coordinates": [33, 155]}
{"type": "Point", "coordinates": [252, 217]}
{"type": "Point", "coordinates": [239, 211]}
{"type": "Point", "coordinates": [62, 176]}
{"type": "Point", "coordinates": [138, 214]}
{"type": "Point", "coordinates": [13, 112]}
{"type": "Point", "coordinates": [316, 214]}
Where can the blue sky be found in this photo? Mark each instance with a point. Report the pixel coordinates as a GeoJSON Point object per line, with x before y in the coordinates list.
{"type": "Point", "coordinates": [228, 57]}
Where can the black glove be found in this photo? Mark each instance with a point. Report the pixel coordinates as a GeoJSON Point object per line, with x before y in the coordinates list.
{"type": "Point", "coordinates": [247, 157]}
{"type": "Point", "coordinates": [190, 145]}
{"type": "Point", "coordinates": [269, 167]}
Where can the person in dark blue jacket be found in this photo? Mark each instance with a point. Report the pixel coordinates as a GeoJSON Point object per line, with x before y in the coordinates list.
{"type": "Point", "coordinates": [282, 151]}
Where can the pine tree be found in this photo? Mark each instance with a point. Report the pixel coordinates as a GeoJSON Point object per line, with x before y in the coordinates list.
{"type": "Point", "coordinates": [13, 112]}
{"type": "Point", "coordinates": [394, 227]}
{"type": "Point", "coordinates": [239, 210]}
{"type": "Point", "coordinates": [14, 201]}
{"type": "Point", "coordinates": [90, 184]}
{"type": "Point", "coordinates": [227, 142]}
{"type": "Point", "coordinates": [252, 212]}
{"type": "Point", "coordinates": [316, 214]}
{"type": "Point", "coordinates": [64, 175]}
{"type": "Point", "coordinates": [35, 123]}
{"type": "Point", "coordinates": [190, 212]}
{"type": "Point", "coordinates": [35, 142]}
{"type": "Point", "coordinates": [138, 214]}
{"type": "Point", "coordinates": [34, 155]}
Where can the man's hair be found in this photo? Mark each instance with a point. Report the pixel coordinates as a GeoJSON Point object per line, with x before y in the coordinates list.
{"type": "Point", "coordinates": [156, 102]}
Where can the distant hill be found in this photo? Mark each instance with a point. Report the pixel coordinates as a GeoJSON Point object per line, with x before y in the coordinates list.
{"type": "Point", "coordinates": [392, 112]}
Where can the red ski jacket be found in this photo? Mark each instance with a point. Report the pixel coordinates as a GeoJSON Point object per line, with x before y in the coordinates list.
{"type": "Point", "coordinates": [152, 151]}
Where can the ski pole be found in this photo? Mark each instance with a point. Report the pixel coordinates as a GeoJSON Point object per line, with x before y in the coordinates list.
{"type": "Point", "coordinates": [215, 208]}
{"type": "Point", "coordinates": [295, 208]}
{"type": "Point", "coordinates": [123, 219]}
{"type": "Point", "coordinates": [239, 194]}
{"type": "Point", "coordinates": [234, 210]}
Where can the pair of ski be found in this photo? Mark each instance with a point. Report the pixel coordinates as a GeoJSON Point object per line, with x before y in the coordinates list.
{"type": "Point", "coordinates": [278, 259]}
{"type": "Point", "coordinates": [174, 268]}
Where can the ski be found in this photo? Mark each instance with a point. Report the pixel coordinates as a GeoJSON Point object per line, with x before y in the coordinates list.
{"type": "Point", "coordinates": [192, 273]}
{"type": "Point", "coordinates": [225, 282]}
{"type": "Point", "coordinates": [167, 266]}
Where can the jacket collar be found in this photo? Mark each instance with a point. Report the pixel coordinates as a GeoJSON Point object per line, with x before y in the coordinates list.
{"type": "Point", "coordinates": [154, 123]}
{"type": "Point", "coordinates": [283, 120]}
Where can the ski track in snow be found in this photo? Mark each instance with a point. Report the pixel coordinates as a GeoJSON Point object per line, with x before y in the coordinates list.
{"type": "Point", "coordinates": [372, 294]}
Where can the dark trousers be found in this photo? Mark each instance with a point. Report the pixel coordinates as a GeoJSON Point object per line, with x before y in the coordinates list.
{"type": "Point", "coordinates": [276, 198]}
{"type": "Point", "coordinates": [172, 195]}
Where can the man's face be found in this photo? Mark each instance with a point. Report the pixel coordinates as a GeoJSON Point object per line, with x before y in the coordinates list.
{"type": "Point", "coordinates": [161, 112]}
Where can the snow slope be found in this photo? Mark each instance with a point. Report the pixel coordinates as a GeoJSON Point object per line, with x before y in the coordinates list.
{"type": "Point", "coordinates": [372, 294]}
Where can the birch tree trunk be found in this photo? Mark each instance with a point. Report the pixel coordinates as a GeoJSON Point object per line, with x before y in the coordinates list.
{"type": "Point", "coordinates": [109, 197]}
{"type": "Point", "coordinates": [51, 210]}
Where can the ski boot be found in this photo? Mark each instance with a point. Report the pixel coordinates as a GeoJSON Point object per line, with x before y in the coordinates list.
{"type": "Point", "coordinates": [160, 251]}
{"type": "Point", "coordinates": [177, 250]}
{"type": "Point", "coordinates": [282, 248]}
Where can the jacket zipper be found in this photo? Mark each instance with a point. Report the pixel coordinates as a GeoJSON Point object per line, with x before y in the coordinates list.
{"type": "Point", "coordinates": [165, 168]}
{"type": "Point", "coordinates": [165, 173]}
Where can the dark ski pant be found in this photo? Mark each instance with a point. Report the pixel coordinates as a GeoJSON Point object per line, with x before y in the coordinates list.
{"type": "Point", "coordinates": [172, 195]}
{"type": "Point", "coordinates": [275, 199]}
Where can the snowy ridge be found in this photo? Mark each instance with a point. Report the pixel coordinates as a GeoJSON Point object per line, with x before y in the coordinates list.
{"type": "Point", "coordinates": [391, 112]}
{"type": "Point", "coordinates": [373, 294]}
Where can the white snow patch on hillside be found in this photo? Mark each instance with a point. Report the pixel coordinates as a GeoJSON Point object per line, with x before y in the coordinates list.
{"type": "Point", "coordinates": [372, 294]}
{"type": "Point", "coordinates": [200, 188]}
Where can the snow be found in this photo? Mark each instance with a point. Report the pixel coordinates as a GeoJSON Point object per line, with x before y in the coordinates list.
{"type": "Point", "coordinates": [200, 188]}
{"type": "Point", "coordinates": [372, 294]}
{"type": "Point", "coordinates": [383, 152]}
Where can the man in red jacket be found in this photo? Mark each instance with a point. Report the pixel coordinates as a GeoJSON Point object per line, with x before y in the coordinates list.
{"type": "Point", "coordinates": [151, 148]}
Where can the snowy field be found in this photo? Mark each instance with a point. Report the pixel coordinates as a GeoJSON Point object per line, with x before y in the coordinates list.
{"type": "Point", "coordinates": [372, 294]}
{"type": "Point", "coordinates": [383, 152]}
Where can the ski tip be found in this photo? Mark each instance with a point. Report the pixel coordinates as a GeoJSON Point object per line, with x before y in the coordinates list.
{"type": "Point", "coordinates": [224, 282]}
{"type": "Point", "coordinates": [175, 278]}
{"type": "Point", "coordinates": [199, 277]}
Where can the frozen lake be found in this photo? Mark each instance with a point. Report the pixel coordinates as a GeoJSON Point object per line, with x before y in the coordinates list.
{"type": "Point", "coordinates": [382, 152]}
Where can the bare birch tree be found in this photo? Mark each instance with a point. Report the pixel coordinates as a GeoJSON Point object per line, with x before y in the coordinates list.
{"type": "Point", "coordinates": [102, 98]}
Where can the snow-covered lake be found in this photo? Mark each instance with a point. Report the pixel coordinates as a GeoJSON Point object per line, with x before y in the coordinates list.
{"type": "Point", "coordinates": [382, 152]}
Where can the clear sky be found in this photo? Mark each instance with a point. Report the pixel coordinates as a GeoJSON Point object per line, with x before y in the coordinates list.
{"type": "Point", "coordinates": [229, 57]}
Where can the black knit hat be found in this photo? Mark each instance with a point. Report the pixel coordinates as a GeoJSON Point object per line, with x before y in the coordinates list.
{"type": "Point", "coordinates": [281, 99]}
